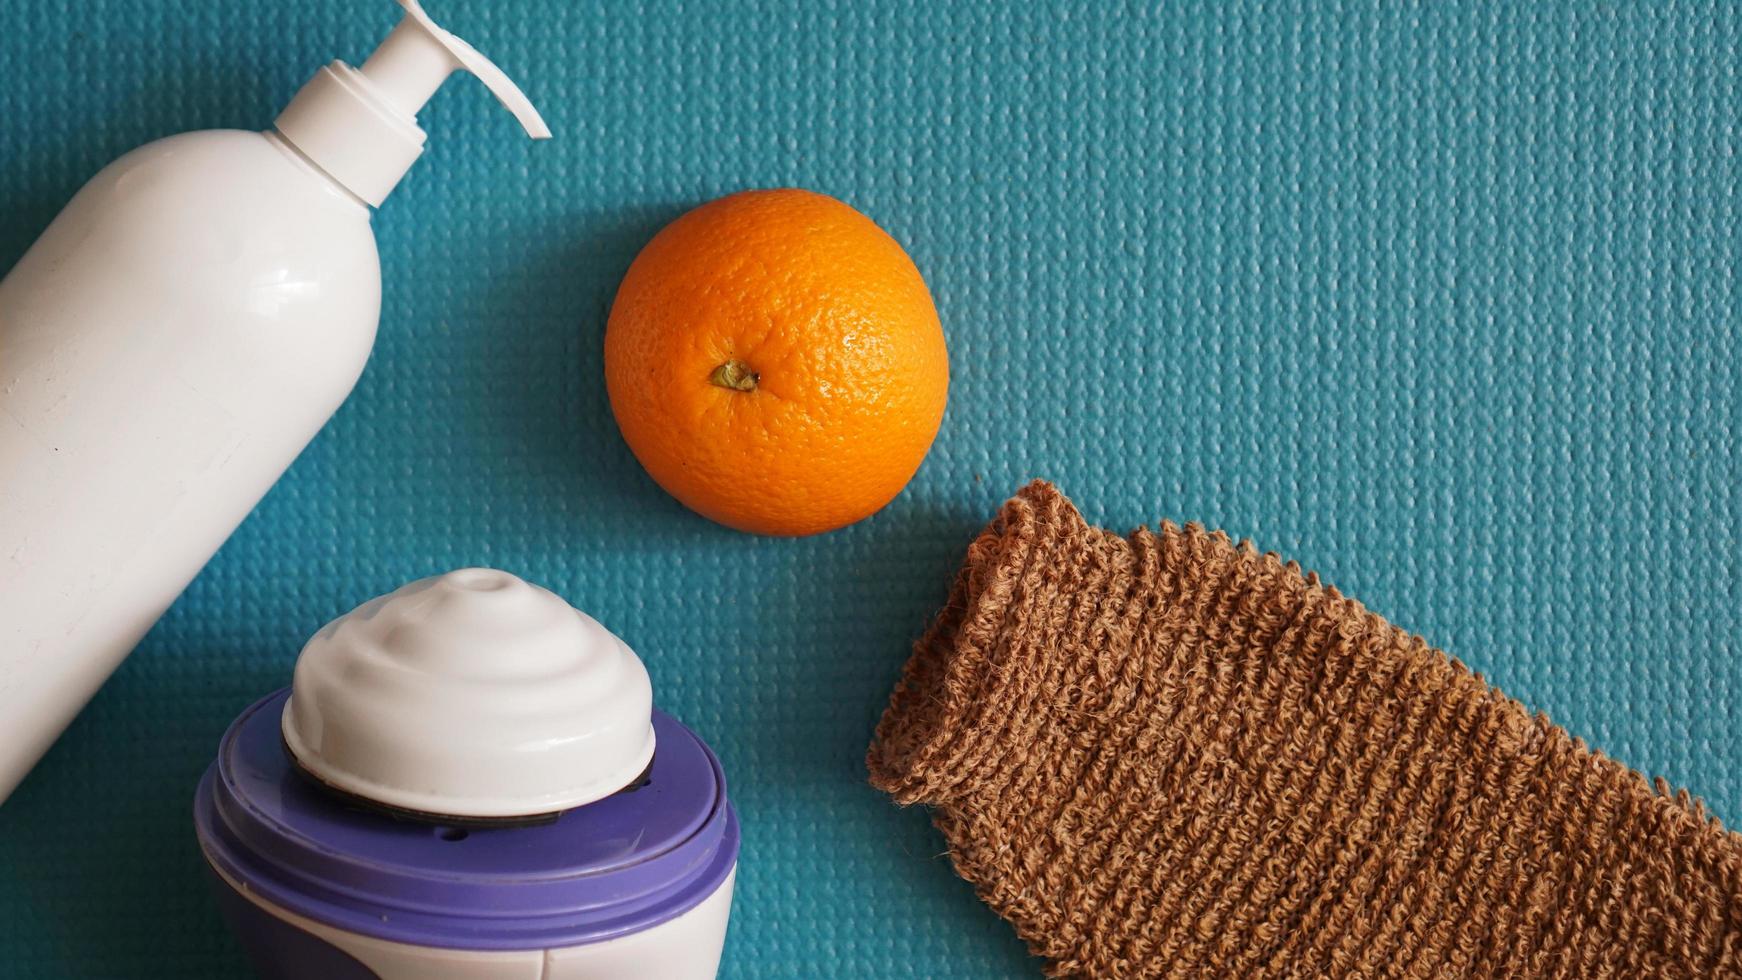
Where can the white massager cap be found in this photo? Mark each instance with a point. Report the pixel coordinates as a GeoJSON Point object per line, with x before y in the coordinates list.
{"type": "Point", "coordinates": [472, 695]}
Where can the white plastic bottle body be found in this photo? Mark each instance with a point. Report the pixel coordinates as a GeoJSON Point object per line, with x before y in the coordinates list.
{"type": "Point", "coordinates": [168, 346]}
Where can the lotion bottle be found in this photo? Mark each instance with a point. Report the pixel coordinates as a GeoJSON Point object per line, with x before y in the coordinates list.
{"type": "Point", "coordinates": [170, 344]}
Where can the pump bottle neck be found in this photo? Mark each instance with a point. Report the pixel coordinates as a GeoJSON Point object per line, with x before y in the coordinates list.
{"type": "Point", "coordinates": [407, 68]}
{"type": "Point", "coordinates": [360, 127]}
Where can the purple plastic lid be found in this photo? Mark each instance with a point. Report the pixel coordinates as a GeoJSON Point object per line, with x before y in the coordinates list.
{"type": "Point", "coordinates": [617, 866]}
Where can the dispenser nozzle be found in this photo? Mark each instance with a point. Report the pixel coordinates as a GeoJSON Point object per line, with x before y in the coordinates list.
{"type": "Point", "coordinates": [419, 55]}
{"type": "Point", "coordinates": [361, 126]}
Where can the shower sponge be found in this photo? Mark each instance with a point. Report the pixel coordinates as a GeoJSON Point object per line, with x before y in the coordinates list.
{"type": "Point", "coordinates": [1166, 754]}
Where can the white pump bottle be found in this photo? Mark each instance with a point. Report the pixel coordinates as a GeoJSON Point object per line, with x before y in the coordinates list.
{"type": "Point", "coordinates": [167, 348]}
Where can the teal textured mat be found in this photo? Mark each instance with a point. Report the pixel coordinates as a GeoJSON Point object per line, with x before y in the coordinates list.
{"type": "Point", "coordinates": [1438, 298]}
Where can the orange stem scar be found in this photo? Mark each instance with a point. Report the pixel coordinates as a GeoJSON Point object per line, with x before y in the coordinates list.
{"type": "Point", "coordinates": [736, 375]}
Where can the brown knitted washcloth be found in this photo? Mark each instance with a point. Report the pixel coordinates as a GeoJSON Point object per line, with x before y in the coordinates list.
{"type": "Point", "coordinates": [1170, 755]}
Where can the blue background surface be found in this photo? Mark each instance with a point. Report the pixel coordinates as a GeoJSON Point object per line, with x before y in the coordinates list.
{"type": "Point", "coordinates": [1438, 298]}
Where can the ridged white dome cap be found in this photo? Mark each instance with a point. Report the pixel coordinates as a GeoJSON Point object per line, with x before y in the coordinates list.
{"type": "Point", "coordinates": [473, 695]}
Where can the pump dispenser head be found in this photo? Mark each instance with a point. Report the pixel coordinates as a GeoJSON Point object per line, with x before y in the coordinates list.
{"type": "Point", "coordinates": [361, 126]}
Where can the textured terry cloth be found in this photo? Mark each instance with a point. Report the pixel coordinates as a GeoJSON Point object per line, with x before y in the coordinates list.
{"type": "Point", "coordinates": [1169, 755]}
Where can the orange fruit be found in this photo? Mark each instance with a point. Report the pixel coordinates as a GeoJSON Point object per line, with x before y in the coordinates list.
{"type": "Point", "coordinates": [775, 362]}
